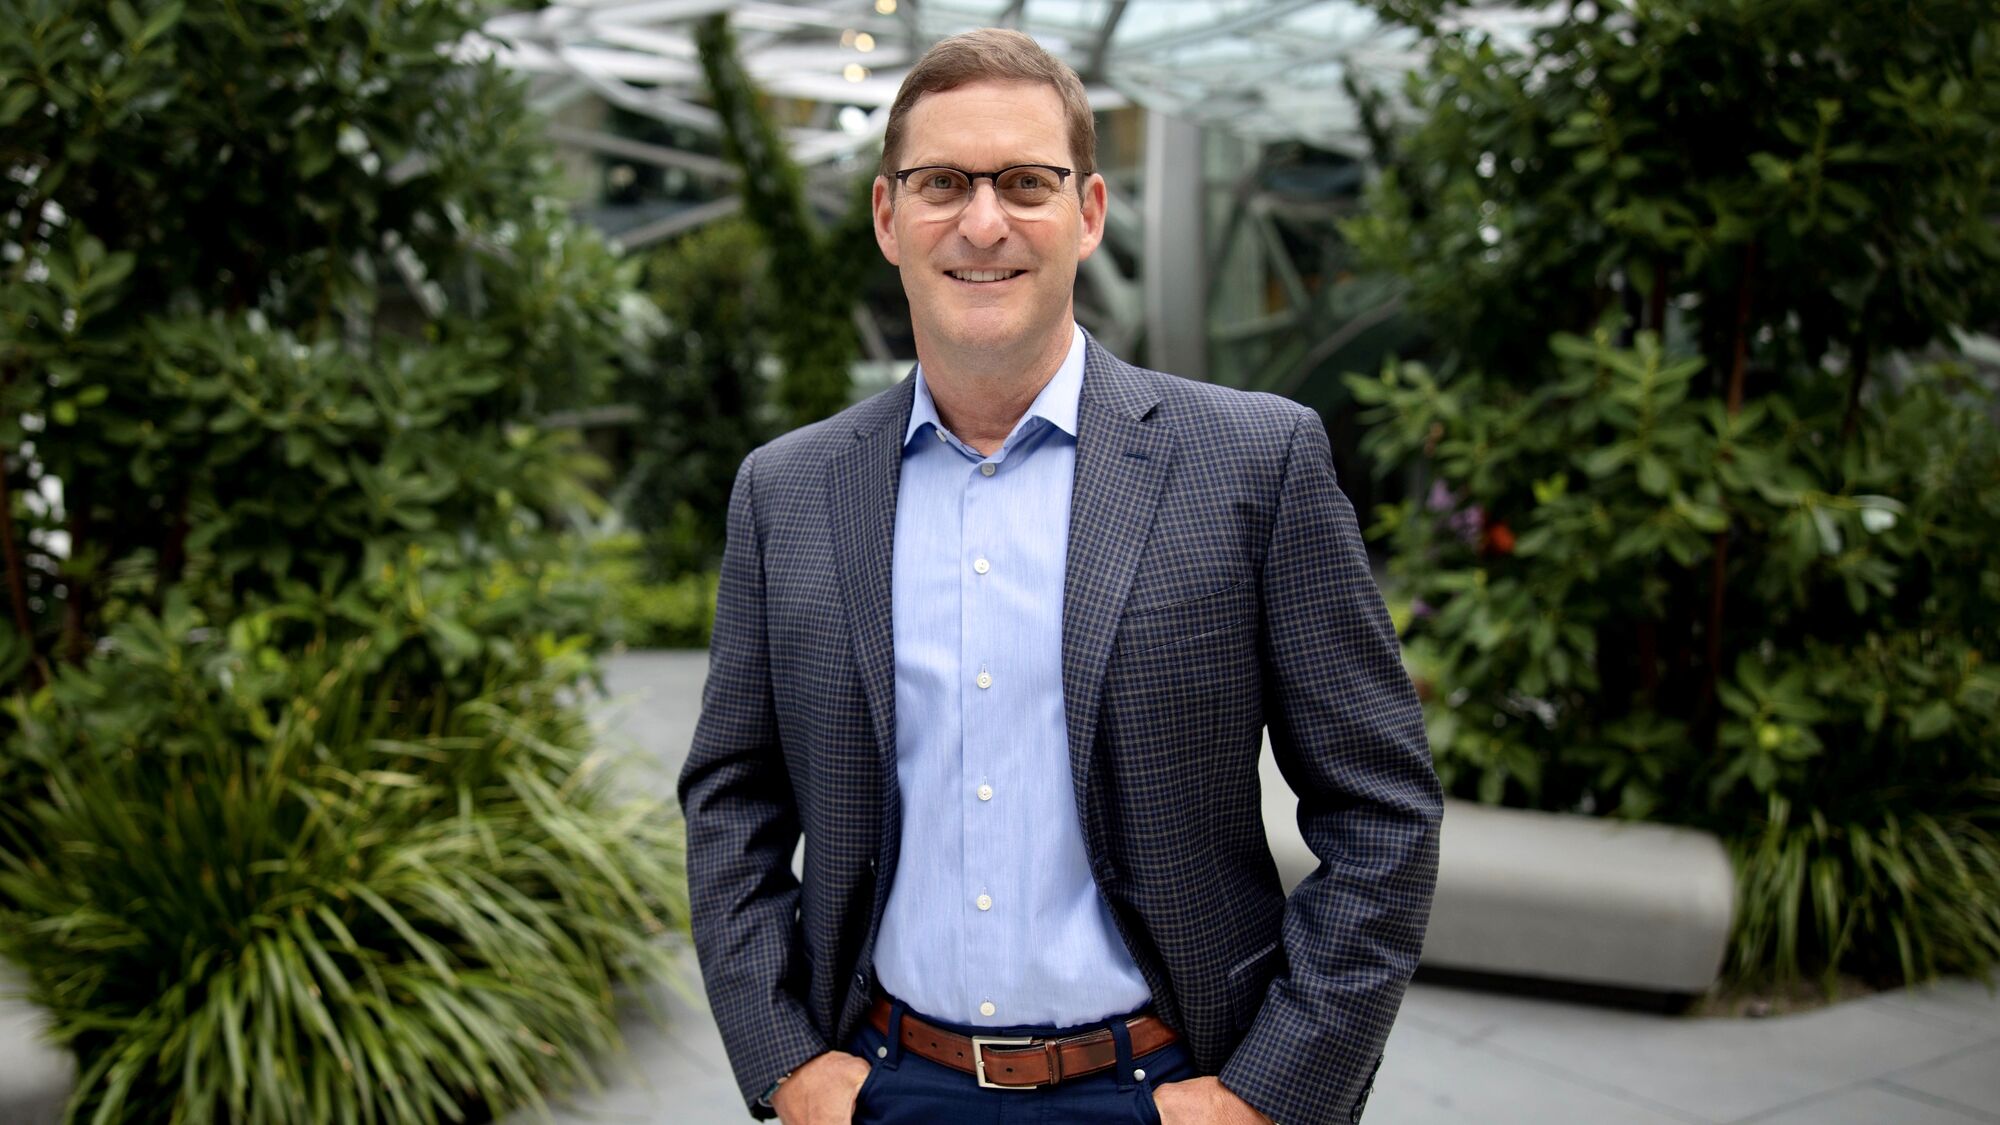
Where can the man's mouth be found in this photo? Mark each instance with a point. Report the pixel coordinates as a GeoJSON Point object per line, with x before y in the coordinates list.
{"type": "Point", "coordinates": [984, 277]}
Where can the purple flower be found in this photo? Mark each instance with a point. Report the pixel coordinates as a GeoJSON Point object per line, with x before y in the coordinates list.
{"type": "Point", "coordinates": [1467, 523]}
{"type": "Point", "coordinates": [1440, 499]}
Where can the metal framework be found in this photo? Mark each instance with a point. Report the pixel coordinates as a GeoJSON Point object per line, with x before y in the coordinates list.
{"type": "Point", "coordinates": [1249, 73]}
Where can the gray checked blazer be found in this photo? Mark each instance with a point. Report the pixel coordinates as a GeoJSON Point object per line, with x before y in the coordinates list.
{"type": "Point", "coordinates": [1255, 606]}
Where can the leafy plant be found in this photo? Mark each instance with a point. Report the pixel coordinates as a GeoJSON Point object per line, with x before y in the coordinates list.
{"type": "Point", "coordinates": [297, 821]}
{"type": "Point", "coordinates": [310, 888]}
{"type": "Point", "coordinates": [1713, 505]}
{"type": "Point", "coordinates": [613, 571]}
{"type": "Point", "coordinates": [814, 269]}
{"type": "Point", "coordinates": [704, 400]}
{"type": "Point", "coordinates": [287, 284]}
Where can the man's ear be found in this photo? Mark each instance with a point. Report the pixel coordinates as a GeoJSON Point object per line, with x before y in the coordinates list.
{"type": "Point", "coordinates": [1095, 200]}
{"type": "Point", "coordinates": [884, 207]}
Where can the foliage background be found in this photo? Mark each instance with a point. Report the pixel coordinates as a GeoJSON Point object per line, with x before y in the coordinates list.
{"type": "Point", "coordinates": [1712, 503]}
{"type": "Point", "coordinates": [285, 304]}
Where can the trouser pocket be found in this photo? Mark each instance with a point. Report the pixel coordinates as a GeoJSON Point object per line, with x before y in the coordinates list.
{"type": "Point", "coordinates": [1149, 1114]}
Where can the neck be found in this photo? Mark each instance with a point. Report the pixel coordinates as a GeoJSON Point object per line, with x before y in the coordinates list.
{"type": "Point", "coordinates": [981, 397]}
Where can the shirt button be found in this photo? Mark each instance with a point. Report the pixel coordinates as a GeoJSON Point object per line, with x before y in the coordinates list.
{"type": "Point", "coordinates": [986, 792]}
{"type": "Point", "coordinates": [981, 565]}
{"type": "Point", "coordinates": [985, 680]}
{"type": "Point", "coordinates": [985, 903]}
{"type": "Point", "coordinates": [986, 1008]}
{"type": "Point", "coordinates": [988, 469]}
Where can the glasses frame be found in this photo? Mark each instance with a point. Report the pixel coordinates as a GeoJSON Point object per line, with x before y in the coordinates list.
{"type": "Point", "coordinates": [902, 179]}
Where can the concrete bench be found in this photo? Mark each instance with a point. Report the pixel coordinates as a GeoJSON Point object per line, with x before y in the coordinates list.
{"type": "Point", "coordinates": [1574, 899]}
{"type": "Point", "coordinates": [35, 1077]}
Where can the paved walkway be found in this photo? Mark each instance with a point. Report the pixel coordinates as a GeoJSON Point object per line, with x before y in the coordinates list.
{"type": "Point", "coordinates": [1457, 1057]}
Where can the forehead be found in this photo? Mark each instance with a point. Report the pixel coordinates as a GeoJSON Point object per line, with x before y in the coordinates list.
{"type": "Point", "coordinates": [986, 125]}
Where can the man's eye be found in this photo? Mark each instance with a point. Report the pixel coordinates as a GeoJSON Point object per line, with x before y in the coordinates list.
{"type": "Point", "coordinates": [1028, 181]}
{"type": "Point", "coordinates": [940, 182]}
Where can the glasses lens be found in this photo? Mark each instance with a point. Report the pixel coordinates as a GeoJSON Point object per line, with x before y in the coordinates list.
{"type": "Point", "coordinates": [1029, 186]}
{"type": "Point", "coordinates": [941, 187]}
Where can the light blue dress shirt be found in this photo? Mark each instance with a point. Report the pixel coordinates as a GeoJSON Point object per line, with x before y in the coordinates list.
{"type": "Point", "coordinates": [993, 918]}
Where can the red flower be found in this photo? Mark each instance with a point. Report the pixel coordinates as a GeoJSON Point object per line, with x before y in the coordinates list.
{"type": "Point", "coordinates": [1499, 539]}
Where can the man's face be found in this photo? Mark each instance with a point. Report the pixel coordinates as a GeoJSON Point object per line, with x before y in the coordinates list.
{"type": "Point", "coordinates": [985, 127]}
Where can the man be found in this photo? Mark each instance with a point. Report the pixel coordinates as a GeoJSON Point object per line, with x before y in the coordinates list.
{"type": "Point", "coordinates": [1001, 643]}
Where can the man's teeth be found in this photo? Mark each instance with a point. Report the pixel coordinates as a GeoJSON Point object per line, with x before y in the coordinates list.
{"type": "Point", "coordinates": [983, 275]}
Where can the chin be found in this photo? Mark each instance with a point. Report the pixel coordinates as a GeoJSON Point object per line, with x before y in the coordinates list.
{"type": "Point", "coordinates": [984, 332]}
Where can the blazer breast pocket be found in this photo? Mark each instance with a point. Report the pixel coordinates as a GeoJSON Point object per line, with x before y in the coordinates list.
{"type": "Point", "coordinates": [1173, 624]}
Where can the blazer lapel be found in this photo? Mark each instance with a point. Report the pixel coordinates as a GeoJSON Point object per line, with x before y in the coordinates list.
{"type": "Point", "coordinates": [1121, 464]}
{"type": "Point", "coordinates": [861, 494]}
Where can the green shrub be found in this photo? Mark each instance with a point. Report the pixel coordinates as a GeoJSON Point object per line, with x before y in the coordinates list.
{"type": "Point", "coordinates": [316, 889]}
{"type": "Point", "coordinates": [276, 291]}
{"type": "Point", "coordinates": [1711, 529]}
{"type": "Point", "coordinates": [703, 400]}
{"type": "Point", "coordinates": [814, 269]}
{"type": "Point", "coordinates": [639, 611]}
{"type": "Point", "coordinates": [298, 823]}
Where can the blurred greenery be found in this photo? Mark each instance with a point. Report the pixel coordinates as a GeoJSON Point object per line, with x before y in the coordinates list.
{"type": "Point", "coordinates": [641, 610]}
{"type": "Point", "coordinates": [814, 269]}
{"type": "Point", "coordinates": [1710, 529]}
{"type": "Point", "coordinates": [758, 338]}
{"type": "Point", "coordinates": [703, 399]}
{"type": "Point", "coordinates": [284, 300]}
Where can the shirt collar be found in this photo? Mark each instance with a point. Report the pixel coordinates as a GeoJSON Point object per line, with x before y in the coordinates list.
{"type": "Point", "coordinates": [1057, 404]}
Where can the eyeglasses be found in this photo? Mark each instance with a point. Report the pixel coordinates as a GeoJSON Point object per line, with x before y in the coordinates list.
{"type": "Point", "coordinates": [1025, 190]}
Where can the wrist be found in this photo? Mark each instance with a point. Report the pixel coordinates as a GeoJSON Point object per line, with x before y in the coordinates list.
{"type": "Point", "coordinates": [771, 1091]}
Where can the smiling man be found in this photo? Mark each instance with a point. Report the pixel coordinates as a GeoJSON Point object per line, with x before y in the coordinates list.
{"type": "Point", "coordinates": [1001, 643]}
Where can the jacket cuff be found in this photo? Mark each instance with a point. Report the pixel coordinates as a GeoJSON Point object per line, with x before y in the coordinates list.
{"type": "Point", "coordinates": [800, 1045]}
{"type": "Point", "coordinates": [1292, 1087]}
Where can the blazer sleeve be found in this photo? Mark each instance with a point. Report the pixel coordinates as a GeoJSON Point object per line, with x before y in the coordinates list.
{"type": "Point", "coordinates": [1348, 734]}
{"type": "Point", "coordinates": [742, 827]}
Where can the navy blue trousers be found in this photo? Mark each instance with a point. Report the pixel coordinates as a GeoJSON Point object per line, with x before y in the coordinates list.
{"type": "Point", "coordinates": [906, 1089]}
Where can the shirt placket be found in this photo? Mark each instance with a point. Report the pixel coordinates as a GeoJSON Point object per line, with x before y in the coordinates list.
{"type": "Point", "coordinates": [985, 692]}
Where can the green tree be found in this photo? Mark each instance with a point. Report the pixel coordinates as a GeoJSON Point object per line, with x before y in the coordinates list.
{"type": "Point", "coordinates": [703, 396]}
{"type": "Point", "coordinates": [1714, 503]}
{"type": "Point", "coordinates": [297, 820]}
{"type": "Point", "coordinates": [814, 271]}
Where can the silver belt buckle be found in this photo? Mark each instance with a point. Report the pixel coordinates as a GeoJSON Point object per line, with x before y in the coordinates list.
{"type": "Point", "coordinates": [979, 1059]}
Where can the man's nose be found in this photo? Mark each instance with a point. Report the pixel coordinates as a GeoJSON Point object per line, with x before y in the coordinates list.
{"type": "Point", "coordinates": [983, 222]}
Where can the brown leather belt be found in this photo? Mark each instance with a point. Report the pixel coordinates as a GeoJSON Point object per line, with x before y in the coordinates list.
{"type": "Point", "coordinates": [1005, 1063]}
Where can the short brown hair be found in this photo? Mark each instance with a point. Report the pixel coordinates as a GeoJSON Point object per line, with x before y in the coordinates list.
{"type": "Point", "coordinates": [993, 54]}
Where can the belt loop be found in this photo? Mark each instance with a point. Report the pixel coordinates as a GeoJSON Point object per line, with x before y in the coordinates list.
{"type": "Point", "coordinates": [1122, 1035]}
{"type": "Point", "coordinates": [894, 1058]}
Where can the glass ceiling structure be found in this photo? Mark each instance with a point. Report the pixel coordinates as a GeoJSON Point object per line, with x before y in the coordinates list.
{"type": "Point", "coordinates": [1263, 69]}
